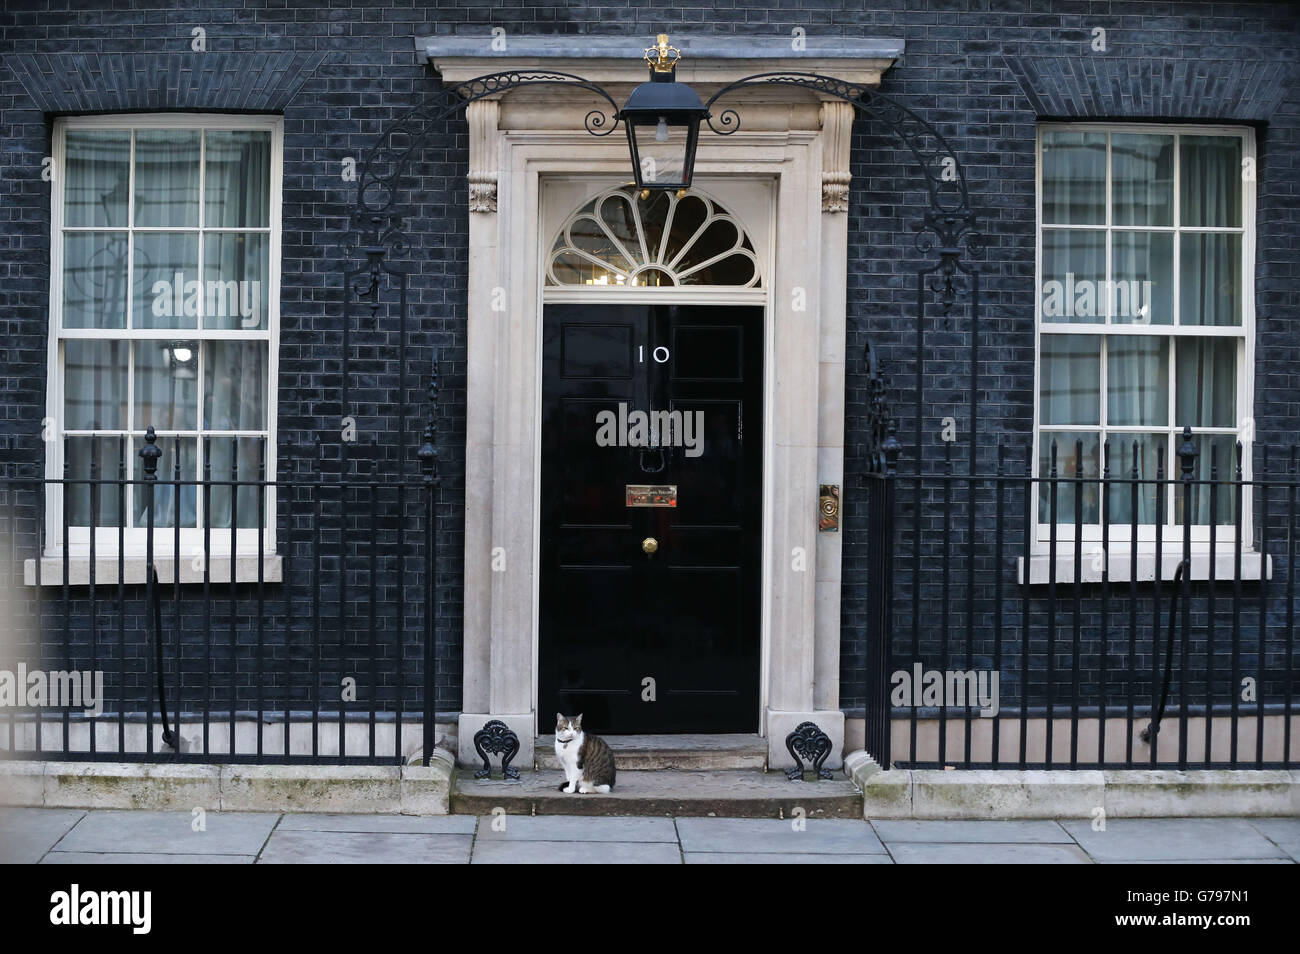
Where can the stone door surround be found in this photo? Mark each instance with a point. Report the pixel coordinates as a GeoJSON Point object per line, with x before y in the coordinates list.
{"type": "Point", "coordinates": [516, 141]}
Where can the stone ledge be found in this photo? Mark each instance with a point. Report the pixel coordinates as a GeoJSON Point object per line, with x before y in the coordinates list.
{"type": "Point", "coordinates": [134, 569]}
{"type": "Point", "coordinates": [1135, 793]}
{"type": "Point", "coordinates": [372, 789]}
{"type": "Point", "coordinates": [22, 783]}
{"type": "Point", "coordinates": [138, 785]}
{"type": "Point", "coordinates": [1156, 793]}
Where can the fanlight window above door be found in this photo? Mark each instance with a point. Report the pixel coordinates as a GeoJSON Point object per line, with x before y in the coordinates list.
{"type": "Point", "coordinates": [618, 238]}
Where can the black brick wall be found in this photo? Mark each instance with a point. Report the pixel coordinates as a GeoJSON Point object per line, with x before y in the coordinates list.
{"type": "Point", "coordinates": [983, 72]}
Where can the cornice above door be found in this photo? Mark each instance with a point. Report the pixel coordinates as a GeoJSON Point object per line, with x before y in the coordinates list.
{"type": "Point", "coordinates": [614, 61]}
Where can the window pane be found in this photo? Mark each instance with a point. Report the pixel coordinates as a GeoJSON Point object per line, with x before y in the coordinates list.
{"type": "Point", "coordinates": [1210, 279]}
{"type": "Point", "coordinates": [234, 386]}
{"type": "Point", "coordinates": [167, 178]}
{"type": "Point", "coordinates": [1076, 454]}
{"type": "Point", "coordinates": [1146, 452]}
{"type": "Point", "coordinates": [1210, 183]}
{"type": "Point", "coordinates": [1074, 268]}
{"type": "Point", "coordinates": [586, 234]}
{"type": "Point", "coordinates": [94, 280]}
{"type": "Point", "coordinates": [1215, 465]}
{"type": "Point", "coordinates": [97, 459]}
{"type": "Point", "coordinates": [1074, 178]}
{"type": "Point", "coordinates": [166, 385]}
{"type": "Point", "coordinates": [94, 385]}
{"type": "Point", "coordinates": [237, 183]}
{"type": "Point", "coordinates": [1142, 179]}
{"type": "Point", "coordinates": [1206, 378]}
{"type": "Point", "coordinates": [1137, 382]}
{"type": "Point", "coordinates": [1142, 271]}
{"type": "Point", "coordinates": [1070, 379]}
{"type": "Point", "coordinates": [662, 153]}
{"type": "Point", "coordinates": [164, 495]}
{"type": "Point", "coordinates": [97, 176]}
{"type": "Point", "coordinates": [239, 459]}
{"type": "Point", "coordinates": [235, 285]}
{"type": "Point", "coordinates": [167, 292]}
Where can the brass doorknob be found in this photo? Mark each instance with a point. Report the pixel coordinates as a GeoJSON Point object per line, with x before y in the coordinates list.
{"type": "Point", "coordinates": [649, 545]}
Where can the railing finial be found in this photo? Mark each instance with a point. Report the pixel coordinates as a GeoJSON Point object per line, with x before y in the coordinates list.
{"type": "Point", "coordinates": [150, 454]}
{"type": "Point", "coordinates": [1187, 452]}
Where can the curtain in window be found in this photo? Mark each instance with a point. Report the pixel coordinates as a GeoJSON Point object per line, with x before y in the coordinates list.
{"type": "Point", "coordinates": [236, 196]}
{"type": "Point", "coordinates": [234, 399]}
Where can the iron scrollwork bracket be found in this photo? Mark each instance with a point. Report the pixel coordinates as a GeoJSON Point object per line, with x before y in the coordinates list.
{"type": "Point", "coordinates": [949, 223]}
{"type": "Point", "coordinates": [496, 738]}
{"type": "Point", "coordinates": [810, 743]}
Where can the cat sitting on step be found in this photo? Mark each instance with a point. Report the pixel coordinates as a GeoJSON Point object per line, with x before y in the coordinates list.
{"type": "Point", "coordinates": [587, 760]}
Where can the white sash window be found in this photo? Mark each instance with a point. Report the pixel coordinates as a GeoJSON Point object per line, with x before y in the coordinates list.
{"type": "Point", "coordinates": [164, 313]}
{"type": "Point", "coordinates": [1145, 318]}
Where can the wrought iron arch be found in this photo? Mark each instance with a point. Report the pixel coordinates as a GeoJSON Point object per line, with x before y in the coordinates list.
{"type": "Point", "coordinates": [949, 221]}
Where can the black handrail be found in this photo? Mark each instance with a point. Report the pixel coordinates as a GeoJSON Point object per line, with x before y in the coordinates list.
{"type": "Point", "coordinates": [168, 737]}
{"type": "Point", "coordinates": [1153, 727]}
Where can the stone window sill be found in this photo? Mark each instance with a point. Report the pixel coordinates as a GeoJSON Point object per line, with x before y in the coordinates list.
{"type": "Point", "coordinates": [1254, 565]}
{"type": "Point", "coordinates": [134, 566]}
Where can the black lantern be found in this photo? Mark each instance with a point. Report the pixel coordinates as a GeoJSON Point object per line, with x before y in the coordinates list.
{"type": "Point", "coordinates": [663, 123]}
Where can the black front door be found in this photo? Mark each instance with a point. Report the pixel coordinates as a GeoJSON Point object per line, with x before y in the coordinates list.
{"type": "Point", "coordinates": [651, 516]}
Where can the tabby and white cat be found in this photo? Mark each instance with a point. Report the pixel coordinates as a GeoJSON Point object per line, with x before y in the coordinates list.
{"type": "Point", "coordinates": [587, 759]}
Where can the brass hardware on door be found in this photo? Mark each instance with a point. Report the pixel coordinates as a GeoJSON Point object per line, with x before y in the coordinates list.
{"type": "Point", "coordinates": [828, 508]}
{"type": "Point", "coordinates": [649, 545]}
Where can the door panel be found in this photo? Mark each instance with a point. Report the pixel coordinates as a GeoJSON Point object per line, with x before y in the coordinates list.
{"type": "Point", "coordinates": [687, 616]}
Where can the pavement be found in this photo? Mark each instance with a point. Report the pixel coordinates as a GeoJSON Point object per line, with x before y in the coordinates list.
{"type": "Point", "coordinates": [76, 836]}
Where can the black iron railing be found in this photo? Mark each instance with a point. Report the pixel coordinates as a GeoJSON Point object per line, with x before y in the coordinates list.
{"type": "Point", "coordinates": [296, 623]}
{"type": "Point", "coordinates": [1049, 612]}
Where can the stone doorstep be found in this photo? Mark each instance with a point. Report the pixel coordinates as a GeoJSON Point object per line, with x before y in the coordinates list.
{"type": "Point", "coordinates": [634, 753]}
{"type": "Point", "coordinates": [728, 793]}
{"type": "Point", "coordinates": [1056, 794]}
{"type": "Point", "coordinates": [376, 789]}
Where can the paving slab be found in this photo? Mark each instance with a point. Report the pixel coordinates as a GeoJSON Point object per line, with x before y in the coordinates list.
{"type": "Point", "coordinates": [28, 833]}
{"type": "Point", "coordinates": [409, 824]}
{"type": "Point", "coordinates": [347, 847]}
{"type": "Point", "coordinates": [140, 858]}
{"type": "Point", "coordinates": [576, 853]}
{"type": "Point", "coordinates": [780, 858]}
{"type": "Point", "coordinates": [818, 836]}
{"type": "Point", "coordinates": [1283, 832]}
{"type": "Point", "coordinates": [576, 828]}
{"type": "Point", "coordinates": [1203, 861]}
{"type": "Point", "coordinates": [972, 832]}
{"type": "Point", "coordinates": [170, 833]}
{"type": "Point", "coordinates": [1172, 839]}
{"type": "Point", "coordinates": [915, 853]}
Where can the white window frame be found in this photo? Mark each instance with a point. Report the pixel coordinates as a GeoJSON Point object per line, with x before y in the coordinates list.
{"type": "Point", "coordinates": [134, 538]}
{"type": "Point", "coordinates": [1120, 553]}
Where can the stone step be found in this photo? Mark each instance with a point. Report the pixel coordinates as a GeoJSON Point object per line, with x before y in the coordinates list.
{"type": "Point", "coordinates": [635, 753]}
{"type": "Point", "coordinates": [728, 793]}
